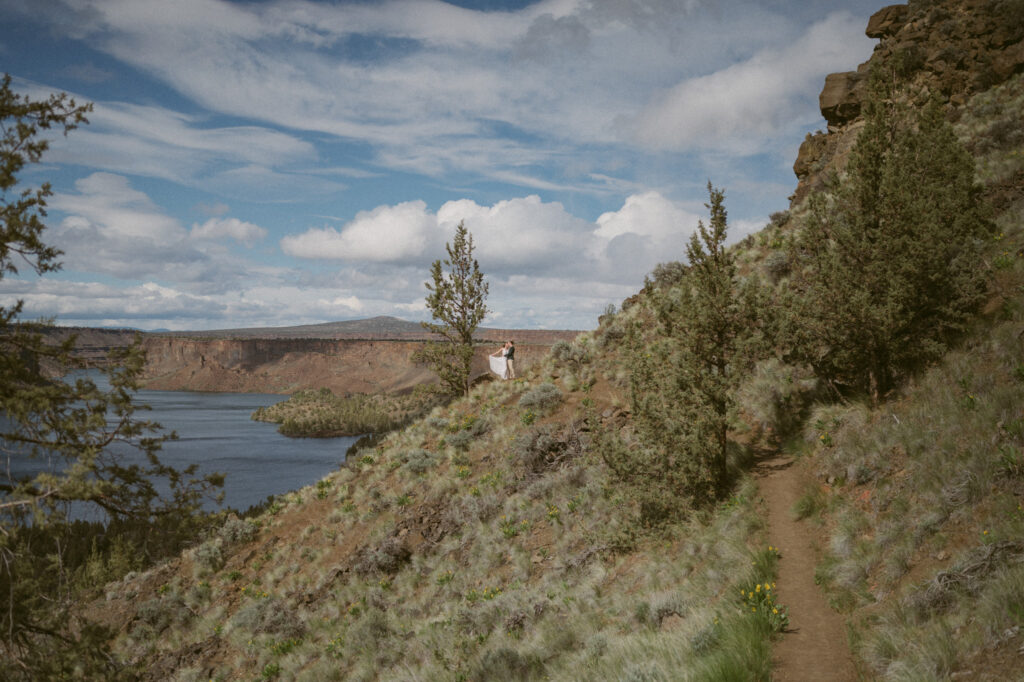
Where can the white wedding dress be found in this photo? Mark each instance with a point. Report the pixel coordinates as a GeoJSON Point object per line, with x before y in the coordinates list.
{"type": "Point", "coordinates": [499, 366]}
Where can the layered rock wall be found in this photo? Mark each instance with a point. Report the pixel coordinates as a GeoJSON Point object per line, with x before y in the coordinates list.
{"type": "Point", "coordinates": [287, 365]}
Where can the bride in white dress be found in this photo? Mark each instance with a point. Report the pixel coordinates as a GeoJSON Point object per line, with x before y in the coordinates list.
{"type": "Point", "coordinates": [498, 363]}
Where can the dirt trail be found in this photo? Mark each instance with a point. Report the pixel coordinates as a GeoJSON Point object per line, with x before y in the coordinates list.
{"type": "Point", "coordinates": [814, 648]}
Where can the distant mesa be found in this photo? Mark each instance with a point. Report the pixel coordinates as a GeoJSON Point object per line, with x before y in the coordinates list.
{"type": "Point", "coordinates": [356, 356]}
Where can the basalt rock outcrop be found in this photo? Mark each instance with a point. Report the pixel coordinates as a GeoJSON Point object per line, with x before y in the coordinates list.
{"type": "Point", "coordinates": [946, 49]}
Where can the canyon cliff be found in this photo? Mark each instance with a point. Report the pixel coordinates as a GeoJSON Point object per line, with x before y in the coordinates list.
{"type": "Point", "coordinates": [286, 365]}
{"type": "Point", "coordinates": [357, 356]}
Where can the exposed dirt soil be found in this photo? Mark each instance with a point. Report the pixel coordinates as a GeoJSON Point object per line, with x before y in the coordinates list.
{"type": "Point", "coordinates": [814, 646]}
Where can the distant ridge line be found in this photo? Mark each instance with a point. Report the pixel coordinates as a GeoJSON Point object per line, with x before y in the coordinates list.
{"type": "Point", "coordinates": [382, 327]}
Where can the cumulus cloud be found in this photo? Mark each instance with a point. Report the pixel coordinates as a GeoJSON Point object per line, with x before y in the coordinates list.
{"type": "Point", "coordinates": [393, 234]}
{"type": "Point", "coordinates": [522, 235]}
{"type": "Point", "coordinates": [648, 214]}
{"type": "Point", "coordinates": [113, 229]}
{"type": "Point", "coordinates": [546, 267]}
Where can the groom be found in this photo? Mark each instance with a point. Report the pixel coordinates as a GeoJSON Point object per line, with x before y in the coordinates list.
{"type": "Point", "coordinates": [510, 355]}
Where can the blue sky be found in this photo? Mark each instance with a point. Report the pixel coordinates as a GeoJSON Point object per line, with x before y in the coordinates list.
{"type": "Point", "coordinates": [279, 162]}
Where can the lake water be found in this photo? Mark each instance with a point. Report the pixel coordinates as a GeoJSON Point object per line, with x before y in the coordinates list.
{"type": "Point", "coordinates": [215, 430]}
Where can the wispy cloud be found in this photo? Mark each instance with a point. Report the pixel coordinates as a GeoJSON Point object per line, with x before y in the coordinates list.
{"type": "Point", "coordinates": [413, 77]}
{"type": "Point", "coordinates": [293, 161]}
{"type": "Point", "coordinates": [744, 106]}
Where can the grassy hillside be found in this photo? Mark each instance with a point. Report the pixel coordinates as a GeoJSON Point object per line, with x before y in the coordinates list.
{"type": "Point", "coordinates": [491, 540]}
{"type": "Point", "coordinates": [483, 542]}
{"type": "Point", "coordinates": [919, 502]}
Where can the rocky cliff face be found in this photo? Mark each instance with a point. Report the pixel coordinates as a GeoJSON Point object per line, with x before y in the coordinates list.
{"type": "Point", "coordinates": [287, 365]}
{"type": "Point", "coordinates": [359, 356]}
{"type": "Point", "coordinates": [950, 49]}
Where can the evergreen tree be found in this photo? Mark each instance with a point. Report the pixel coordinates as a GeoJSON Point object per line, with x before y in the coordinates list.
{"type": "Point", "coordinates": [683, 383]}
{"type": "Point", "coordinates": [889, 266]}
{"type": "Point", "coordinates": [79, 438]}
{"type": "Point", "coordinates": [457, 302]}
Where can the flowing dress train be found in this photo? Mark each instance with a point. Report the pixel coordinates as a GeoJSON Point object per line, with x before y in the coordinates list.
{"type": "Point", "coordinates": [499, 366]}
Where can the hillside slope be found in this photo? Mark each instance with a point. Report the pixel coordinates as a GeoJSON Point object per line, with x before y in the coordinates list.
{"type": "Point", "coordinates": [491, 541]}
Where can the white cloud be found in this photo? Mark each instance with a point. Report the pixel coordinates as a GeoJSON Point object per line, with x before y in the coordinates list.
{"type": "Point", "coordinates": [741, 107]}
{"type": "Point", "coordinates": [392, 234]}
{"type": "Point", "coordinates": [110, 228]}
{"type": "Point", "coordinates": [231, 228]}
{"type": "Point", "coordinates": [91, 303]}
{"type": "Point", "coordinates": [515, 236]}
{"type": "Point", "coordinates": [524, 233]}
{"type": "Point", "coordinates": [159, 128]}
{"type": "Point", "coordinates": [424, 82]}
{"type": "Point", "coordinates": [591, 102]}
{"type": "Point", "coordinates": [123, 211]}
{"type": "Point", "coordinates": [546, 267]}
{"type": "Point", "coordinates": [346, 304]}
{"type": "Point", "coordinates": [248, 161]}
{"type": "Point", "coordinates": [648, 214]}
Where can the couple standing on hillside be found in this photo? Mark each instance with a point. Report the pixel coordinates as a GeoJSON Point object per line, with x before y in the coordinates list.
{"type": "Point", "coordinates": [503, 361]}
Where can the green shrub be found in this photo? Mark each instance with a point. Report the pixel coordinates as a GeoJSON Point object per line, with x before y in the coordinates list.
{"type": "Point", "coordinates": [778, 396]}
{"type": "Point", "coordinates": [387, 557]}
{"type": "Point", "coordinates": [810, 502]}
{"type": "Point", "coordinates": [208, 558]}
{"type": "Point", "coordinates": [159, 614]}
{"type": "Point", "coordinates": [321, 413]}
{"type": "Point", "coordinates": [372, 636]}
{"type": "Point", "coordinates": [667, 275]}
{"type": "Point", "coordinates": [269, 615]}
{"type": "Point", "coordinates": [419, 460]}
{"type": "Point", "coordinates": [460, 440]}
{"type": "Point", "coordinates": [777, 265]}
{"type": "Point", "coordinates": [575, 358]}
{"type": "Point", "coordinates": [542, 398]}
{"type": "Point", "coordinates": [238, 530]}
{"type": "Point", "coordinates": [541, 448]}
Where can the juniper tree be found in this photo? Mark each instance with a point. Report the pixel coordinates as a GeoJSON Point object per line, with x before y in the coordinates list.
{"type": "Point", "coordinates": [456, 300]}
{"type": "Point", "coordinates": [68, 432]}
{"type": "Point", "coordinates": [889, 265]}
{"type": "Point", "coordinates": [683, 380]}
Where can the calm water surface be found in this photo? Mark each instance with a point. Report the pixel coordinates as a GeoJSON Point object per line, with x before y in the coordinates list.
{"type": "Point", "coordinates": [215, 431]}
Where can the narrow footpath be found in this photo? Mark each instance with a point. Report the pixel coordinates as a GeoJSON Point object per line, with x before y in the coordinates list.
{"type": "Point", "coordinates": [814, 647]}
